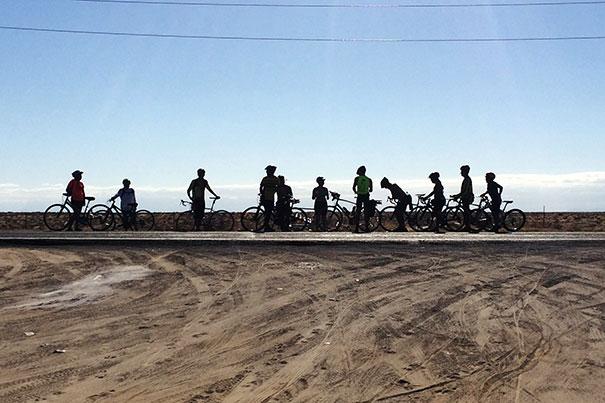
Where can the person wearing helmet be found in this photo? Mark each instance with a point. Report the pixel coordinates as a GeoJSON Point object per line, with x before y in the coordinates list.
{"type": "Point", "coordinates": [438, 201]}
{"type": "Point", "coordinates": [196, 192]}
{"type": "Point", "coordinates": [495, 193]}
{"type": "Point", "coordinates": [128, 203]}
{"type": "Point", "coordinates": [403, 200]}
{"type": "Point", "coordinates": [75, 190]}
{"type": "Point", "coordinates": [268, 188]}
{"type": "Point", "coordinates": [321, 196]}
{"type": "Point", "coordinates": [362, 187]}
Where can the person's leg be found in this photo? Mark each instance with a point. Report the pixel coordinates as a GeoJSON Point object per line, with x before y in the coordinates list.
{"type": "Point", "coordinates": [198, 213]}
{"type": "Point", "coordinates": [466, 208]}
{"type": "Point", "coordinates": [367, 212]}
{"type": "Point", "coordinates": [437, 213]}
{"type": "Point", "coordinates": [268, 206]}
{"type": "Point", "coordinates": [399, 214]}
{"type": "Point", "coordinates": [77, 206]}
{"type": "Point", "coordinates": [358, 206]}
{"type": "Point", "coordinates": [496, 215]}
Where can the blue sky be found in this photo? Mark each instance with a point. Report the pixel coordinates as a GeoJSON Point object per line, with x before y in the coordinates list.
{"type": "Point", "coordinates": [154, 110]}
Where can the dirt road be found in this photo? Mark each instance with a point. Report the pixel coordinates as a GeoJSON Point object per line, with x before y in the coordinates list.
{"type": "Point", "coordinates": [275, 323]}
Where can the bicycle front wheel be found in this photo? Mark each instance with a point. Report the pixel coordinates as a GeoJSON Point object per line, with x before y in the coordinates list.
{"type": "Point", "coordinates": [514, 220]}
{"type": "Point", "coordinates": [185, 222]}
{"type": "Point", "coordinates": [388, 219]}
{"type": "Point", "coordinates": [221, 220]}
{"type": "Point", "coordinates": [333, 219]}
{"type": "Point", "coordinates": [143, 220]}
{"type": "Point", "coordinates": [424, 219]}
{"type": "Point", "coordinates": [100, 218]}
{"type": "Point", "coordinates": [253, 219]}
{"type": "Point", "coordinates": [454, 218]}
{"type": "Point", "coordinates": [479, 220]}
{"type": "Point", "coordinates": [57, 217]}
{"type": "Point", "coordinates": [298, 219]}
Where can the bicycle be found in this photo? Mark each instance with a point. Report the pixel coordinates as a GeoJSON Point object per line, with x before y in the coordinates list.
{"type": "Point", "coordinates": [219, 220]}
{"type": "Point", "coordinates": [422, 218]}
{"type": "Point", "coordinates": [59, 215]}
{"type": "Point", "coordinates": [387, 218]}
{"type": "Point", "coordinates": [336, 213]}
{"type": "Point", "coordinates": [253, 218]}
{"type": "Point", "coordinates": [481, 219]}
{"type": "Point", "coordinates": [102, 218]}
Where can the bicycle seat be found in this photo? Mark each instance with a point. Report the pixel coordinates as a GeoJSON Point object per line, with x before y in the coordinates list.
{"type": "Point", "coordinates": [214, 198]}
{"type": "Point", "coordinates": [89, 198]}
{"type": "Point", "coordinates": [65, 194]}
{"type": "Point", "coordinates": [507, 201]}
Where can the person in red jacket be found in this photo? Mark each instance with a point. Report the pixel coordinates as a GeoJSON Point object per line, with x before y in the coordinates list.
{"type": "Point", "coordinates": [75, 190]}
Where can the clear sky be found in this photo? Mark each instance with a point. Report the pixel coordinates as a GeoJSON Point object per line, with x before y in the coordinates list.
{"type": "Point", "coordinates": [156, 109]}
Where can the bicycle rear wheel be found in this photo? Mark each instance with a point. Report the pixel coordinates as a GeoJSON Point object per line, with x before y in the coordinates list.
{"type": "Point", "coordinates": [412, 221]}
{"type": "Point", "coordinates": [100, 218]}
{"type": "Point", "coordinates": [143, 220]}
{"type": "Point", "coordinates": [298, 219]}
{"type": "Point", "coordinates": [185, 222]}
{"type": "Point", "coordinates": [425, 220]}
{"type": "Point", "coordinates": [221, 220]}
{"type": "Point", "coordinates": [253, 218]}
{"type": "Point", "coordinates": [388, 219]}
{"type": "Point", "coordinates": [514, 220]}
{"type": "Point", "coordinates": [57, 217]}
{"type": "Point", "coordinates": [454, 218]}
{"type": "Point", "coordinates": [479, 220]}
{"type": "Point", "coordinates": [333, 219]}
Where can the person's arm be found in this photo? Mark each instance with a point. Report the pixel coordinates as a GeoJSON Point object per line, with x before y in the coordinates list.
{"type": "Point", "coordinates": [500, 188]}
{"type": "Point", "coordinates": [211, 191]}
{"type": "Point", "coordinates": [190, 189]}
{"type": "Point", "coordinates": [69, 187]}
{"type": "Point", "coordinates": [115, 196]}
{"type": "Point", "coordinates": [262, 186]}
{"type": "Point", "coordinates": [83, 192]}
{"type": "Point", "coordinates": [134, 197]}
{"type": "Point", "coordinates": [371, 186]}
{"type": "Point", "coordinates": [327, 195]}
{"type": "Point", "coordinates": [355, 185]}
{"type": "Point", "coordinates": [313, 194]}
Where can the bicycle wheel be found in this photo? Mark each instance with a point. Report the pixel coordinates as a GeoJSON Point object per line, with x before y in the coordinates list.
{"type": "Point", "coordinates": [514, 220]}
{"type": "Point", "coordinates": [298, 219]}
{"type": "Point", "coordinates": [253, 218]}
{"type": "Point", "coordinates": [185, 221]}
{"type": "Point", "coordinates": [57, 217]}
{"type": "Point", "coordinates": [454, 218]}
{"type": "Point", "coordinates": [221, 220]}
{"type": "Point", "coordinates": [479, 220]}
{"type": "Point", "coordinates": [333, 219]}
{"type": "Point", "coordinates": [425, 220]}
{"type": "Point", "coordinates": [388, 219]}
{"type": "Point", "coordinates": [143, 220]}
{"type": "Point", "coordinates": [373, 222]}
{"type": "Point", "coordinates": [100, 218]}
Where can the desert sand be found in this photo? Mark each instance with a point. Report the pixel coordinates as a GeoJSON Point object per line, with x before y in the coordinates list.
{"type": "Point", "coordinates": [319, 323]}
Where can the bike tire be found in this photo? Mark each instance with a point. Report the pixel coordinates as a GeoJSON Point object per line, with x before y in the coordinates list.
{"type": "Point", "coordinates": [412, 221]}
{"type": "Point", "coordinates": [479, 220]}
{"type": "Point", "coordinates": [388, 219]}
{"type": "Point", "coordinates": [221, 220]}
{"type": "Point", "coordinates": [298, 219]}
{"type": "Point", "coordinates": [253, 218]}
{"type": "Point", "coordinates": [425, 220]}
{"type": "Point", "coordinates": [185, 222]}
{"type": "Point", "coordinates": [454, 218]}
{"type": "Point", "coordinates": [143, 220]}
{"type": "Point", "coordinates": [57, 217]}
{"type": "Point", "coordinates": [100, 218]}
{"type": "Point", "coordinates": [333, 219]}
{"type": "Point", "coordinates": [514, 220]}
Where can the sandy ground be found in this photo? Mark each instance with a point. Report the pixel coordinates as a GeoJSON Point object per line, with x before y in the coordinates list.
{"type": "Point", "coordinates": [267, 323]}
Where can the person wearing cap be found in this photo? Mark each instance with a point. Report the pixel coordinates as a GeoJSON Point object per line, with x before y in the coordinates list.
{"type": "Point", "coordinates": [128, 203]}
{"type": "Point", "coordinates": [268, 187]}
{"type": "Point", "coordinates": [196, 193]}
{"type": "Point", "coordinates": [75, 190]}
{"type": "Point", "coordinates": [362, 187]}
{"type": "Point", "coordinates": [403, 200]}
{"type": "Point", "coordinates": [438, 201]}
{"type": "Point", "coordinates": [284, 206]}
{"type": "Point", "coordinates": [495, 194]}
{"type": "Point", "coordinates": [466, 196]}
{"type": "Point", "coordinates": [321, 196]}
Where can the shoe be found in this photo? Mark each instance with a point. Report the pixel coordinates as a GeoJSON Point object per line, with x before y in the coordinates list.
{"type": "Point", "coordinates": [400, 230]}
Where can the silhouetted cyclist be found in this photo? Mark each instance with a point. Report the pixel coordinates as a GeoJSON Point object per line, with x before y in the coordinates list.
{"type": "Point", "coordinates": [466, 196]}
{"type": "Point", "coordinates": [438, 201]}
{"type": "Point", "coordinates": [75, 190]}
{"type": "Point", "coordinates": [403, 200]}
{"type": "Point", "coordinates": [362, 187]}
{"type": "Point", "coordinates": [284, 204]}
{"type": "Point", "coordinates": [495, 193]}
{"type": "Point", "coordinates": [128, 203]}
{"type": "Point", "coordinates": [320, 195]}
{"type": "Point", "coordinates": [196, 193]}
{"type": "Point", "coordinates": [268, 187]}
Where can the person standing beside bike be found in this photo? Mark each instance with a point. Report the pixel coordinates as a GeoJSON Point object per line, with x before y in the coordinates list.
{"type": "Point", "coordinates": [321, 196]}
{"type": "Point", "coordinates": [75, 190]}
{"type": "Point", "coordinates": [362, 187]}
{"type": "Point", "coordinates": [283, 206]}
{"type": "Point", "coordinates": [268, 187]}
{"type": "Point", "coordinates": [403, 200]}
{"type": "Point", "coordinates": [128, 203]}
{"type": "Point", "coordinates": [196, 193]}
{"type": "Point", "coordinates": [495, 193]}
{"type": "Point", "coordinates": [438, 201]}
{"type": "Point", "coordinates": [466, 196]}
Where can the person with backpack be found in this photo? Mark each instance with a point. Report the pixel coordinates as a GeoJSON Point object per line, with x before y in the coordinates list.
{"type": "Point", "coordinates": [495, 194]}
{"type": "Point", "coordinates": [321, 196]}
{"type": "Point", "coordinates": [128, 203]}
{"type": "Point", "coordinates": [75, 190]}
{"type": "Point", "coordinates": [403, 201]}
{"type": "Point", "coordinates": [196, 192]}
{"type": "Point", "coordinates": [268, 188]}
{"type": "Point", "coordinates": [362, 187]}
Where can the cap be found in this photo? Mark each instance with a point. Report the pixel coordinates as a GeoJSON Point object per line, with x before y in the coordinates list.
{"type": "Point", "coordinates": [268, 167]}
{"type": "Point", "coordinates": [77, 172]}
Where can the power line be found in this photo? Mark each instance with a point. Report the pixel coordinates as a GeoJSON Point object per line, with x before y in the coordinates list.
{"type": "Point", "coordinates": [299, 39]}
{"type": "Point", "coordinates": [284, 5]}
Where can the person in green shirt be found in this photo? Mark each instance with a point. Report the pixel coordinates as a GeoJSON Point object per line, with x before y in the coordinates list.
{"type": "Point", "coordinates": [362, 187]}
{"type": "Point", "coordinates": [196, 192]}
{"type": "Point", "coordinates": [268, 187]}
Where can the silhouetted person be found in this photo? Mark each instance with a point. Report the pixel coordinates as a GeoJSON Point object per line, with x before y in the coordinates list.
{"type": "Point", "coordinates": [284, 206]}
{"type": "Point", "coordinates": [362, 187]}
{"type": "Point", "coordinates": [321, 196]}
{"type": "Point", "coordinates": [75, 190]}
{"type": "Point", "coordinates": [196, 192]}
{"type": "Point", "coordinates": [268, 187]}
{"type": "Point", "coordinates": [466, 196]}
{"type": "Point", "coordinates": [403, 200]}
{"type": "Point", "coordinates": [438, 200]}
{"type": "Point", "coordinates": [495, 194]}
{"type": "Point", "coordinates": [128, 203]}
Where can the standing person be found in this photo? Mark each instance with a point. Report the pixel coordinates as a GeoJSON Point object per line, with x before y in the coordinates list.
{"type": "Point", "coordinates": [495, 193]}
{"type": "Point", "coordinates": [466, 196]}
{"type": "Point", "coordinates": [403, 200]}
{"type": "Point", "coordinates": [320, 195]}
{"type": "Point", "coordinates": [362, 187]}
{"type": "Point", "coordinates": [438, 201]}
{"type": "Point", "coordinates": [75, 190]}
{"type": "Point", "coordinates": [268, 187]}
{"type": "Point", "coordinates": [128, 203]}
{"type": "Point", "coordinates": [196, 193]}
{"type": "Point", "coordinates": [283, 206]}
